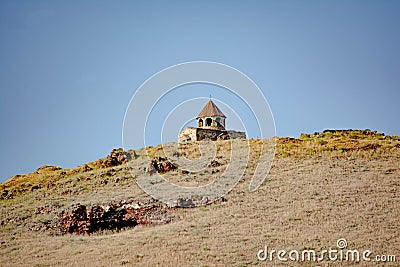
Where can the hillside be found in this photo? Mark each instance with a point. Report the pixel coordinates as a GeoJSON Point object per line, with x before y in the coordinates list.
{"type": "Point", "coordinates": [321, 187]}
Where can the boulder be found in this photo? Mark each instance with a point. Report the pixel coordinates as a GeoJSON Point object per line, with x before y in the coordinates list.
{"type": "Point", "coordinates": [160, 165]}
{"type": "Point", "coordinates": [116, 157]}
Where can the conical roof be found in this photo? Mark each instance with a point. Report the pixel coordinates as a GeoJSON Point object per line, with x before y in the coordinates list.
{"type": "Point", "coordinates": [211, 110]}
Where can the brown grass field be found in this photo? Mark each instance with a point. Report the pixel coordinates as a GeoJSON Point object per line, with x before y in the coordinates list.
{"type": "Point", "coordinates": [321, 187]}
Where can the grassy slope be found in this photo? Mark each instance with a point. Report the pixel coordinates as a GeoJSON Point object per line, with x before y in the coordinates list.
{"type": "Point", "coordinates": [321, 187]}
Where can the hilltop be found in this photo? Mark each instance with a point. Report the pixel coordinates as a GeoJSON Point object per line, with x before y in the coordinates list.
{"type": "Point", "coordinates": [321, 187]}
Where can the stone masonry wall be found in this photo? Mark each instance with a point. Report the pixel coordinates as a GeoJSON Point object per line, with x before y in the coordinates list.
{"type": "Point", "coordinates": [198, 134]}
{"type": "Point", "coordinates": [211, 134]}
{"type": "Point", "coordinates": [236, 135]}
{"type": "Point", "coordinates": [188, 134]}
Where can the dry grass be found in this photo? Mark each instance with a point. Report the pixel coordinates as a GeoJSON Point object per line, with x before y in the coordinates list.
{"type": "Point", "coordinates": [321, 187]}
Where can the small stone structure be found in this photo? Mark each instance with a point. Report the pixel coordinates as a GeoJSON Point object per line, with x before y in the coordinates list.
{"type": "Point", "coordinates": [211, 126]}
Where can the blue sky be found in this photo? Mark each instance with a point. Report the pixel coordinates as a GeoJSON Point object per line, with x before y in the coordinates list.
{"type": "Point", "coordinates": [68, 69]}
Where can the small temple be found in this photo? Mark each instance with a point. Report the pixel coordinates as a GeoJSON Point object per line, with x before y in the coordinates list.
{"type": "Point", "coordinates": [211, 126]}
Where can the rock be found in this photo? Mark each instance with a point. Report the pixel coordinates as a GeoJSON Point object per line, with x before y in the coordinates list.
{"type": "Point", "coordinates": [194, 201]}
{"type": "Point", "coordinates": [116, 157]}
{"type": "Point", "coordinates": [6, 194]}
{"type": "Point", "coordinates": [214, 171]}
{"type": "Point", "coordinates": [166, 166]}
{"type": "Point", "coordinates": [86, 168]}
{"type": "Point", "coordinates": [176, 154]}
{"type": "Point", "coordinates": [47, 209]}
{"type": "Point", "coordinates": [160, 165]}
{"type": "Point", "coordinates": [74, 220]}
{"type": "Point", "coordinates": [214, 164]}
{"type": "Point", "coordinates": [34, 187]}
{"type": "Point", "coordinates": [80, 219]}
{"type": "Point", "coordinates": [46, 168]}
{"type": "Point", "coordinates": [152, 168]}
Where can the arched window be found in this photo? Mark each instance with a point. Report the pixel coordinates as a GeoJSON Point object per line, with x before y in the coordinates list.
{"type": "Point", "coordinates": [208, 122]}
{"type": "Point", "coordinates": [200, 122]}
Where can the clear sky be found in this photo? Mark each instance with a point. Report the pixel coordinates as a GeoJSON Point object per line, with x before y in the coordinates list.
{"type": "Point", "coordinates": [68, 69]}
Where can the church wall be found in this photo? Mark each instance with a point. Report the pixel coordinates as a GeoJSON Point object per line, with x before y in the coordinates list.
{"type": "Point", "coordinates": [211, 134]}
{"type": "Point", "coordinates": [236, 135]}
{"type": "Point", "coordinates": [188, 134]}
{"type": "Point", "coordinates": [198, 134]}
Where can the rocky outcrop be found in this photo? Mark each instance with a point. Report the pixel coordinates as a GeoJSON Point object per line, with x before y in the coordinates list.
{"type": "Point", "coordinates": [81, 219]}
{"type": "Point", "coordinates": [194, 201]}
{"type": "Point", "coordinates": [116, 157]}
{"type": "Point", "coordinates": [214, 164]}
{"type": "Point", "coordinates": [160, 165]}
{"type": "Point", "coordinates": [347, 133]}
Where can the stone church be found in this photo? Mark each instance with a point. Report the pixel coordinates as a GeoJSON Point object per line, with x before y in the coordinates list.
{"type": "Point", "coordinates": [211, 126]}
